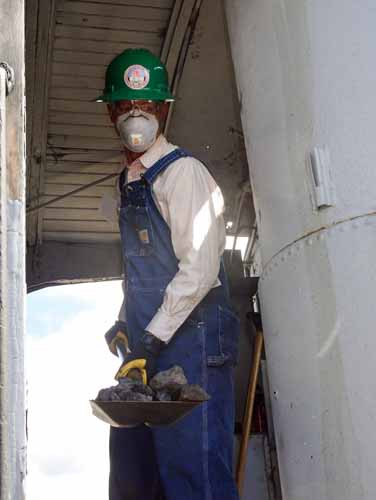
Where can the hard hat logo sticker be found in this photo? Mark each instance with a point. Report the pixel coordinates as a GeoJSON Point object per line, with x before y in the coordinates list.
{"type": "Point", "coordinates": [136, 77]}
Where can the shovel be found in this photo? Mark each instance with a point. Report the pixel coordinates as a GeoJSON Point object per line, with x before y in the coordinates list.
{"type": "Point", "coordinates": [134, 413]}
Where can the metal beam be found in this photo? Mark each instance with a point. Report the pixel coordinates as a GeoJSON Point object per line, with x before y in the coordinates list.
{"type": "Point", "coordinates": [58, 263]}
{"type": "Point", "coordinates": [12, 255]}
{"type": "Point", "coordinates": [4, 470]}
{"type": "Point", "coordinates": [40, 30]}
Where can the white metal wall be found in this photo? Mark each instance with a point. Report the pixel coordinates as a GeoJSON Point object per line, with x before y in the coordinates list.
{"type": "Point", "coordinates": [306, 81]}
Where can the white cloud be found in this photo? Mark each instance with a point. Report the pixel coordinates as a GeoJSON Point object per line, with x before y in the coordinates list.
{"type": "Point", "coordinates": [68, 446]}
{"type": "Point", "coordinates": [94, 292]}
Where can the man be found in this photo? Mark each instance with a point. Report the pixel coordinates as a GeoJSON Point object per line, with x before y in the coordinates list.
{"type": "Point", "coordinates": [176, 309]}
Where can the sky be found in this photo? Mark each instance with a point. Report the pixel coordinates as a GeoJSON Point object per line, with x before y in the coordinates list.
{"type": "Point", "coordinates": [67, 362]}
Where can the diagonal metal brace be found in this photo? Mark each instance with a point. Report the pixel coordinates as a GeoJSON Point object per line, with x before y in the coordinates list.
{"type": "Point", "coordinates": [10, 76]}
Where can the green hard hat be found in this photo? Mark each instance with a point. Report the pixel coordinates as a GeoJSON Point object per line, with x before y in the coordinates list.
{"type": "Point", "coordinates": [136, 74]}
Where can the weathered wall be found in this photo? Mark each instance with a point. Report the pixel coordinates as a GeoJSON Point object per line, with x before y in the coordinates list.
{"type": "Point", "coordinates": [206, 117]}
{"type": "Point", "coordinates": [306, 78]}
{"type": "Point", "coordinates": [12, 256]}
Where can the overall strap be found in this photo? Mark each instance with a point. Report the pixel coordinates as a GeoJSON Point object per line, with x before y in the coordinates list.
{"type": "Point", "coordinates": [122, 179]}
{"type": "Point", "coordinates": [158, 167]}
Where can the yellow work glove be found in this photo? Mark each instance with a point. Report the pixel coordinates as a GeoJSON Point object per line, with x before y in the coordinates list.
{"type": "Point", "coordinates": [116, 337]}
{"type": "Point", "coordinates": [141, 362]}
{"type": "Point", "coordinates": [133, 369]}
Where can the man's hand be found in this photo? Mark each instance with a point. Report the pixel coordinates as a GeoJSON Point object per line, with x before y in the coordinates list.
{"type": "Point", "coordinates": [116, 337]}
{"type": "Point", "coordinates": [141, 362]}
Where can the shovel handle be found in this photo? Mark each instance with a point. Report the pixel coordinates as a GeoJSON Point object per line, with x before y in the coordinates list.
{"type": "Point", "coordinates": [242, 461]}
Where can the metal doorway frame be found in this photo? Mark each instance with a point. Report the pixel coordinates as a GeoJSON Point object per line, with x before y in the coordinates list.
{"type": "Point", "coordinates": [12, 253]}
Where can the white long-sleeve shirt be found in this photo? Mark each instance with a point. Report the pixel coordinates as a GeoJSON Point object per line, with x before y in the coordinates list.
{"type": "Point", "coordinates": [192, 205]}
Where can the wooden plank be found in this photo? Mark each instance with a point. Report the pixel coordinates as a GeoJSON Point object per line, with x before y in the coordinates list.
{"type": "Point", "coordinates": [76, 178]}
{"type": "Point", "coordinates": [68, 56]}
{"type": "Point", "coordinates": [120, 11]}
{"type": "Point", "coordinates": [59, 189]}
{"type": "Point", "coordinates": [178, 38]}
{"type": "Point", "coordinates": [92, 214]}
{"type": "Point", "coordinates": [68, 105]}
{"type": "Point", "coordinates": [155, 4]}
{"type": "Point", "coordinates": [112, 23]}
{"type": "Point", "coordinates": [178, 49]}
{"type": "Point", "coordinates": [102, 47]}
{"type": "Point", "coordinates": [83, 82]}
{"type": "Point", "coordinates": [175, 13]}
{"type": "Point", "coordinates": [92, 157]}
{"type": "Point", "coordinates": [82, 131]}
{"type": "Point", "coordinates": [86, 95]}
{"type": "Point", "coordinates": [84, 143]}
{"type": "Point", "coordinates": [71, 167]}
{"type": "Point", "coordinates": [139, 37]}
{"type": "Point", "coordinates": [80, 236]}
{"type": "Point", "coordinates": [84, 226]}
{"type": "Point", "coordinates": [75, 202]}
{"type": "Point", "coordinates": [80, 119]}
{"type": "Point", "coordinates": [79, 70]}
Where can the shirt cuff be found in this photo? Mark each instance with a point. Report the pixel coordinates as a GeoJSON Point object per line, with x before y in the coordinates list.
{"type": "Point", "coordinates": [164, 326]}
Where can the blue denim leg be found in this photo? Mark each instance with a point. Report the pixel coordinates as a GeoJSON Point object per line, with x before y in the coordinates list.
{"type": "Point", "coordinates": [195, 455]}
{"type": "Point", "coordinates": [133, 472]}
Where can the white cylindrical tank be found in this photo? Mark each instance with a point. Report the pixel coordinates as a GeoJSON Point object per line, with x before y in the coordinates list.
{"type": "Point", "coordinates": [306, 77]}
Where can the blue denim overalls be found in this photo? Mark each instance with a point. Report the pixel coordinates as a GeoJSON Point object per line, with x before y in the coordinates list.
{"type": "Point", "coordinates": [192, 459]}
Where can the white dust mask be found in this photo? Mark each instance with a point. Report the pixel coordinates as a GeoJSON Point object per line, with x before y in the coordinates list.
{"type": "Point", "coordinates": [138, 130]}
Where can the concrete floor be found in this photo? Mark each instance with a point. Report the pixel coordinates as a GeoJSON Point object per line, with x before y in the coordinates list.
{"type": "Point", "coordinates": [255, 487]}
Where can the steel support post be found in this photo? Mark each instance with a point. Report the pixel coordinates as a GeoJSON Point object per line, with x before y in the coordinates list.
{"type": "Point", "coordinates": [12, 252]}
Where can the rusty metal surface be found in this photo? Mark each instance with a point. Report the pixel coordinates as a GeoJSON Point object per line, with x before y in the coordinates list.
{"type": "Point", "coordinates": [133, 413]}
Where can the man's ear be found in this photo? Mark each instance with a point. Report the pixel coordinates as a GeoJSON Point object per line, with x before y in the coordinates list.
{"type": "Point", "coordinates": [163, 112]}
{"type": "Point", "coordinates": [111, 112]}
{"type": "Point", "coordinates": [165, 106]}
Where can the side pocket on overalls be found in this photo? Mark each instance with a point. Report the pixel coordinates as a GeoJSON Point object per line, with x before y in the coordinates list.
{"type": "Point", "coordinates": [223, 340]}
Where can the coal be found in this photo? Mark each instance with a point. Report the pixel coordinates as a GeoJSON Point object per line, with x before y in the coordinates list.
{"type": "Point", "coordinates": [129, 385]}
{"type": "Point", "coordinates": [134, 396]}
{"type": "Point", "coordinates": [108, 394]}
{"type": "Point", "coordinates": [168, 385]}
{"type": "Point", "coordinates": [169, 380]}
{"type": "Point", "coordinates": [163, 396]}
{"type": "Point", "coordinates": [126, 390]}
{"type": "Point", "coordinates": [193, 392]}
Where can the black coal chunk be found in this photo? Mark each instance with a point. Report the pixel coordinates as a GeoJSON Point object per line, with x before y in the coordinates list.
{"type": "Point", "coordinates": [163, 396]}
{"type": "Point", "coordinates": [108, 394]}
{"type": "Point", "coordinates": [169, 380]}
{"type": "Point", "coordinates": [128, 385]}
{"type": "Point", "coordinates": [126, 390]}
{"type": "Point", "coordinates": [134, 396]}
{"type": "Point", "coordinates": [168, 385]}
{"type": "Point", "coordinates": [193, 392]}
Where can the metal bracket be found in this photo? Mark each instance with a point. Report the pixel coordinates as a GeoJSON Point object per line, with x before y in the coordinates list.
{"type": "Point", "coordinates": [10, 80]}
{"type": "Point", "coordinates": [323, 186]}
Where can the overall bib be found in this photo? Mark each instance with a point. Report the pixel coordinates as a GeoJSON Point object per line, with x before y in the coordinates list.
{"type": "Point", "coordinates": [192, 459]}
